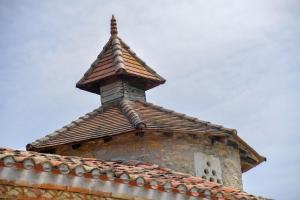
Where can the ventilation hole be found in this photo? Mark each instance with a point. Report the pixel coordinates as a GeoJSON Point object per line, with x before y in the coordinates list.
{"type": "Point", "coordinates": [214, 172]}
{"type": "Point", "coordinates": [208, 164]}
{"type": "Point", "coordinates": [204, 177]}
{"type": "Point", "coordinates": [211, 179]}
{"type": "Point", "coordinates": [206, 171]}
{"type": "Point", "coordinates": [219, 181]}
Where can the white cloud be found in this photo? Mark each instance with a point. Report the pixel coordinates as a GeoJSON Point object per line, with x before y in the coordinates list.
{"type": "Point", "coordinates": [231, 62]}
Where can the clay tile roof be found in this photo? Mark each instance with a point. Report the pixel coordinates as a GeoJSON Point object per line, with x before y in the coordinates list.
{"type": "Point", "coordinates": [128, 172]}
{"type": "Point", "coordinates": [157, 117]}
{"type": "Point", "coordinates": [117, 59]}
{"type": "Point", "coordinates": [126, 116]}
{"type": "Point", "coordinates": [130, 116]}
{"type": "Point", "coordinates": [96, 124]}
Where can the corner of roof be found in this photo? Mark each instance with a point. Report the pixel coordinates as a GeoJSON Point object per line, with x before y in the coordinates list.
{"type": "Point", "coordinates": [33, 145]}
{"type": "Point", "coordinates": [94, 64]}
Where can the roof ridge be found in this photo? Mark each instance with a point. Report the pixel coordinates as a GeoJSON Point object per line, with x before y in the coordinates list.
{"type": "Point", "coordinates": [64, 128]}
{"type": "Point", "coordinates": [132, 116]}
{"type": "Point", "coordinates": [189, 118]}
{"type": "Point", "coordinates": [118, 61]}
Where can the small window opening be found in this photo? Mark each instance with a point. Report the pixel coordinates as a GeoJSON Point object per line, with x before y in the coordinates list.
{"type": "Point", "coordinates": [208, 167]}
{"type": "Point", "coordinates": [214, 172]}
{"type": "Point", "coordinates": [206, 171]}
{"type": "Point", "coordinates": [208, 164]}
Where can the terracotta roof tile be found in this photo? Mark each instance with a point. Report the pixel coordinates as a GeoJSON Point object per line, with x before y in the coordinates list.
{"type": "Point", "coordinates": [124, 117]}
{"type": "Point", "coordinates": [131, 172]}
{"type": "Point", "coordinates": [130, 116]}
{"type": "Point", "coordinates": [116, 58]}
{"type": "Point", "coordinates": [96, 124]}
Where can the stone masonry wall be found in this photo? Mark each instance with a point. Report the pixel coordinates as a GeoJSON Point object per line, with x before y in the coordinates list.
{"type": "Point", "coordinates": [175, 152]}
{"type": "Point", "coordinates": [12, 191]}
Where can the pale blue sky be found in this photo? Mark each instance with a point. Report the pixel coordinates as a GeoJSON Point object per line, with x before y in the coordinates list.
{"type": "Point", "coordinates": [231, 62]}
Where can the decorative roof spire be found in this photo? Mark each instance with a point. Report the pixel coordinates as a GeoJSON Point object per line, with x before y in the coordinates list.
{"type": "Point", "coordinates": [113, 26]}
{"type": "Point", "coordinates": [117, 63]}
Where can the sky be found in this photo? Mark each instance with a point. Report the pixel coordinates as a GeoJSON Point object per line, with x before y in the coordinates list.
{"type": "Point", "coordinates": [231, 62]}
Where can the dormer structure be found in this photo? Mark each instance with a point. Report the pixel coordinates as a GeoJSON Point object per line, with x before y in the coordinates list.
{"type": "Point", "coordinates": [128, 127]}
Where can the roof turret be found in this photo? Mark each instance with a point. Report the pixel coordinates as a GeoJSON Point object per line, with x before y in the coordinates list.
{"type": "Point", "coordinates": [118, 62]}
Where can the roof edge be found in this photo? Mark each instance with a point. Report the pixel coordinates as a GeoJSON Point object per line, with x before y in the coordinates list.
{"type": "Point", "coordinates": [32, 145]}
{"type": "Point", "coordinates": [231, 132]}
{"type": "Point", "coordinates": [89, 169]}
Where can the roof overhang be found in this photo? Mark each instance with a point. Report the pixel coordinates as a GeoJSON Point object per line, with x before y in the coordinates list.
{"type": "Point", "coordinates": [31, 171]}
{"type": "Point", "coordinates": [139, 82]}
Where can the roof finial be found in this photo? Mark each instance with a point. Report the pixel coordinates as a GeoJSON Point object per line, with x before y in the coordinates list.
{"type": "Point", "coordinates": [113, 26]}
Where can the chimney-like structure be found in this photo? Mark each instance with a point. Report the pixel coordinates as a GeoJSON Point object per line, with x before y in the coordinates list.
{"type": "Point", "coordinates": [119, 73]}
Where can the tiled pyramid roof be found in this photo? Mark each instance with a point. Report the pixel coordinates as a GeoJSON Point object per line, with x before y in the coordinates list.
{"type": "Point", "coordinates": [115, 60]}
{"type": "Point", "coordinates": [136, 174]}
{"type": "Point", "coordinates": [130, 116]}
{"type": "Point", "coordinates": [126, 116]}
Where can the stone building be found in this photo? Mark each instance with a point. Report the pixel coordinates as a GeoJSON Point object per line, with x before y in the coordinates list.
{"type": "Point", "coordinates": [129, 148]}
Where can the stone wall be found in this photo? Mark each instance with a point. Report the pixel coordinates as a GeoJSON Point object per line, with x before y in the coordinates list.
{"type": "Point", "coordinates": [13, 191]}
{"type": "Point", "coordinates": [176, 152]}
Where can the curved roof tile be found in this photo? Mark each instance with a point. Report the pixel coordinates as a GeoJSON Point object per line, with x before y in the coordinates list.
{"type": "Point", "coordinates": [130, 116]}
{"type": "Point", "coordinates": [135, 173]}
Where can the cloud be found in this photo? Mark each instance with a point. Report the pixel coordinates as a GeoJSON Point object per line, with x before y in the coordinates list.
{"type": "Point", "coordinates": [233, 62]}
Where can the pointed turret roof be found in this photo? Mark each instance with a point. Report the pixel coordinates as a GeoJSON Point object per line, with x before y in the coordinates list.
{"type": "Point", "coordinates": [115, 61]}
